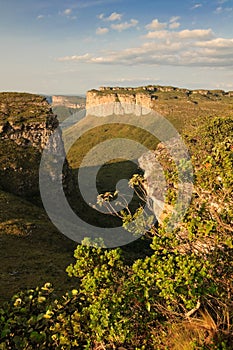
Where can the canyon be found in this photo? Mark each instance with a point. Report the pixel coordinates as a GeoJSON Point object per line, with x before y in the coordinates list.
{"type": "Point", "coordinates": [26, 125]}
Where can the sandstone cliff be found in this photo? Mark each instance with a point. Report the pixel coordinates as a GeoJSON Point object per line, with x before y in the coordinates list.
{"type": "Point", "coordinates": [147, 96]}
{"type": "Point", "coordinates": [95, 97]}
{"type": "Point", "coordinates": [26, 123]}
{"type": "Point", "coordinates": [68, 101]}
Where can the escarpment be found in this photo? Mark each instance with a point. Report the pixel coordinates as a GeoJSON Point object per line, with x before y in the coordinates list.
{"type": "Point", "coordinates": [26, 124]}
{"type": "Point", "coordinates": [68, 101]}
{"type": "Point", "coordinates": [178, 105]}
{"type": "Point", "coordinates": [148, 96]}
{"type": "Point", "coordinates": [99, 97]}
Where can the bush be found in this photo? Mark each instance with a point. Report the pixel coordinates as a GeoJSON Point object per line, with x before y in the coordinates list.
{"type": "Point", "coordinates": [180, 297]}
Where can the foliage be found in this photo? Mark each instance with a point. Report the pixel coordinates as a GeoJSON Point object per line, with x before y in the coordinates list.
{"type": "Point", "coordinates": [179, 297]}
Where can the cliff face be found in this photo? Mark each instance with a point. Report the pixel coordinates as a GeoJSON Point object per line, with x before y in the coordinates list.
{"type": "Point", "coordinates": [26, 123]}
{"type": "Point", "coordinates": [95, 98]}
{"type": "Point", "coordinates": [68, 101]}
{"type": "Point", "coordinates": [146, 96]}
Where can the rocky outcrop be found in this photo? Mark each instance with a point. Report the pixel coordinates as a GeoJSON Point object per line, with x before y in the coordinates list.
{"type": "Point", "coordinates": [26, 124]}
{"type": "Point", "coordinates": [68, 102]}
{"type": "Point", "coordinates": [121, 96]}
{"type": "Point", "coordinates": [170, 158]}
{"type": "Point", "coordinates": [146, 96]}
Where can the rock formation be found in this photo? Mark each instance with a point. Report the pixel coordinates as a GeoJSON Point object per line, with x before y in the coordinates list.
{"type": "Point", "coordinates": [26, 123]}
{"type": "Point", "coordinates": [68, 101]}
{"type": "Point", "coordinates": [146, 96]}
{"type": "Point", "coordinates": [122, 96]}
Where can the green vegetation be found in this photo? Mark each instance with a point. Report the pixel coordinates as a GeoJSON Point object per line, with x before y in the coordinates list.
{"type": "Point", "coordinates": [23, 108]}
{"type": "Point", "coordinates": [32, 250]}
{"type": "Point", "coordinates": [19, 169]}
{"type": "Point", "coordinates": [63, 112]}
{"type": "Point", "coordinates": [176, 295]}
{"type": "Point", "coordinates": [23, 122]}
{"type": "Point", "coordinates": [99, 134]}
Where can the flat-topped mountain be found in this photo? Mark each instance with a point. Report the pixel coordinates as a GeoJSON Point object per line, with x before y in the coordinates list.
{"type": "Point", "coordinates": [68, 101]}
{"type": "Point", "coordinates": [147, 96]}
{"type": "Point", "coordinates": [180, 296]}
{"type": "Point", "coordinates": [66, 106]}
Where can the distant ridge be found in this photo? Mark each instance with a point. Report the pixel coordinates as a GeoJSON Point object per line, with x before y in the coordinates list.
{"type": "Point", "coordinates": [147, 96]}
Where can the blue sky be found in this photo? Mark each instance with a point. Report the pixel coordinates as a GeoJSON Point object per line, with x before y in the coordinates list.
{"type": "Point", "coordinates": [68, 47]}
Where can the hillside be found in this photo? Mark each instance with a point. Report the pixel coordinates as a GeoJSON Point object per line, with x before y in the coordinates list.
{"type": "Point", "coordinates": [32, 250]}
{"type": "Point", "coordinates": [66, 106]}
{"type": "Point", "coordinates": [170, 289]}
{"type": "Point", "coordinates": [28, 239]}
{"type": "Point", "coordinates": [184, 108]}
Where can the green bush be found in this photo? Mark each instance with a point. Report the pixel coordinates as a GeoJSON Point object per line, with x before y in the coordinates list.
{"type": "Point", "coordinates": [185, 282]}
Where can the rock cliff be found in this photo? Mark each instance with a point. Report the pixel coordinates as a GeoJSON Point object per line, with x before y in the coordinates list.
{"type": "Point", "coordinates": [26, 123]}
{"type": "Point", "coordinates": [147, 96]}
{"type": "Point", "coordinates": [68, 101]}
{"type": "Point", "coordinates": [97, 97]}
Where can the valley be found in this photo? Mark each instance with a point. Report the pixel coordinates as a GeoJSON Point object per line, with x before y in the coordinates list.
{"type": "Point", "coordinates": [173, 275]}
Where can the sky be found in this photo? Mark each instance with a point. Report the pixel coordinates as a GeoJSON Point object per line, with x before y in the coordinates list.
{"type": "Point", "coordinates": [71, 46]}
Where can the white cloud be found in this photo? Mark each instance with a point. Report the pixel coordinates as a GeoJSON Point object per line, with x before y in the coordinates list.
{"type": "Point", "coordinates": [217, 43]}
{"type": "Point", "coordinates": [40, 17]}
{"type": "Point", "coordinates": [133, 80]}
{"type": "Point", "coordinates": [67, 12]}
{"type": "Point", "coordinates": [200, 34]}
{"type": "Point", "coordinates": [162, 34]}
{"type": "Point", "coordinates": [75, 58]}
{"type": "Point", "coordinates": [218, 9]}
{"type": "Point", "coordinates": [124, 25]}
{"type": "Point", "coordinates": [196, 47]}
{"type": "Point", "coordinates": [174, 19]}
{"type": "Point", "coordinates": [196, 6]}
{"type": "Point", "coordinates": [114, 16]}
{"type": "Point", "coordinates": [102, 31]}
{"type": "Point", "coordinates": [173, 22]}
{"type": "Point", "coordinates": [196, 34]}
{"type": "Point", "coordinates": [156, 25]}
{"type": "Point", "coordinates": [221, 9]}
{"type": "Point", "coordinates": [174, 25]}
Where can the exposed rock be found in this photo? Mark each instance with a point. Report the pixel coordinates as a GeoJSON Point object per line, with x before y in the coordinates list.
{"type": "Point", "coordinates": [73, 102]}
{"type": "Point", "coordinates": [201, 92]}
{"type": "Point", "coordinates": [95, 98]}
{"type": "Point", "coordinates": [146, 96]}
{"type": "Point", "coordinates": [165, 159]}
{"type": "Point", "coordinates": [26, 123]}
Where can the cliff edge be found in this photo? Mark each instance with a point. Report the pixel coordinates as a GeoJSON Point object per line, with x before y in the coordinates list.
{"type": "Point", "coordinates": [26, 123]}
{"type": "Point", "coordinates": [148, 96]}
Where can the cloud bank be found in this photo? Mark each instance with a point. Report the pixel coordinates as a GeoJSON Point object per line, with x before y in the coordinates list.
{"type": "Point", "coordinates": [163, 44]}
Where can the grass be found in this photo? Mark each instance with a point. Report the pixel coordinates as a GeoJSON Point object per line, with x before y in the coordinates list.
{"type": "Point", "coordinates": [99, 134]}
{"type": "Point", "coordinates": [185, 113]}
{"type": "Point", "coordinates": [32, 250]}
{"type": "Point", "coordinates": [23, 108]}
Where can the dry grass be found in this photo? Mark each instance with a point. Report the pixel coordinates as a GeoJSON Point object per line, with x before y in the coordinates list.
{"type": "Point", "coordinates": [32, 250]}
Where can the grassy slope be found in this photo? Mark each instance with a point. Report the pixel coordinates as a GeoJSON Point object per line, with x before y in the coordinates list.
{"type": "Point", "coordinates": [32, 250]}
{"type": "Point", "coordinates": [183, 112]}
